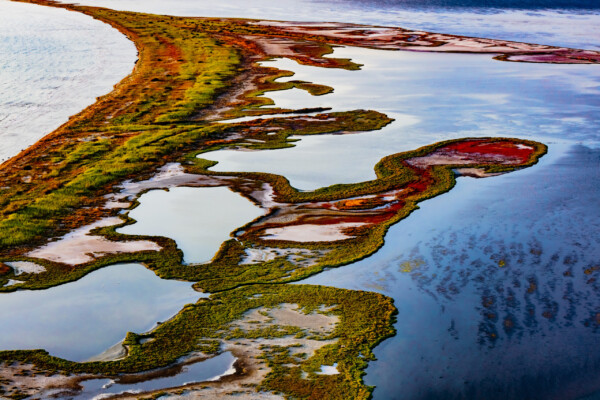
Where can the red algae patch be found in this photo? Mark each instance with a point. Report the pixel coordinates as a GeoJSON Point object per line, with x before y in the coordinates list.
{"type": "Point", "coordinates": [476, 152]}
{"type": "Point", "coordinates": [500, 148]}
{"type": "Point", "coordinates": [354, 216]}
{"type": "Point", "coordinates": [390, 38]}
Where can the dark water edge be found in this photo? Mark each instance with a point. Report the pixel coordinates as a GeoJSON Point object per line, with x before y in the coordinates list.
{"type": "Point", "coordinates": [479, 4]}
{"type": "Point", "coordinates": [497, 288]}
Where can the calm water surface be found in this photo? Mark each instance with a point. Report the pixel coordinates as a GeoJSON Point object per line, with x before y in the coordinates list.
{"type": "Point", "coordinates": [198, 219]}
{"type": "Point", "coordinates": [210, 369]}
{"type": "Point", "coordinates": [496, 281]}
{"type": "Point", "coordinates": [82, 319]}
{"type": "Point", "coordinates": [574, 23]}
{"type": "Point", "coordinates": [496, 284]}
{"type": "Point", "coordinates": [433, 97]}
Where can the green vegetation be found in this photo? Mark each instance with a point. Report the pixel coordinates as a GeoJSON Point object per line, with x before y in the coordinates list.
{"type": "Point", "coordinates": [188, 69]}
{"type": "Point", "coordinates": [364, 320]}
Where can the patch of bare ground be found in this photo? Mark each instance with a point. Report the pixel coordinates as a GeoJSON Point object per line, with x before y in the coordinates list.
{"type": "Point", "coordinates": [311, 232]}
{"type": "Point", "coordinates": [25, 379]}
{"type": "Point", "coordinates": [79, 246]}
{"type": "Point", "coordinates": [475, 172]}
{"type": "Point", "coordinates": [251, 369]}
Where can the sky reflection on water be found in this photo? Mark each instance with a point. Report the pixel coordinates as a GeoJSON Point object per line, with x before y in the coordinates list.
{"type": "Point", "coordinates": [496, 286]}
{"type": "Point", "coordinates": [433, 97]}
{"type": "Point", "coordinates": [496, 281]}
{"type": "Point", "coordinates": [82, 319]}
{"type": "Point", "coordinates": [53, 63]}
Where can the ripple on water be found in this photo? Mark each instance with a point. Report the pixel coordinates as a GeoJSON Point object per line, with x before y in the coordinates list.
{"type": "Point", "coordinates": [59, 62]}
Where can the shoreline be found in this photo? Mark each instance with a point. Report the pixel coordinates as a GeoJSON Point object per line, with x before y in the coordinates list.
{"type": "Point", "coordinates": [144, 126]}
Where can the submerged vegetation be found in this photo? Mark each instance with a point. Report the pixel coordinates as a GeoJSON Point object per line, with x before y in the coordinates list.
{"type": "Point", "coordinates": [190, 73]}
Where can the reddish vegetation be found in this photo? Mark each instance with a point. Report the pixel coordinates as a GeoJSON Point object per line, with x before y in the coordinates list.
{"type": "Point", "coordinates": [378, 208]}
{"type": "Point", "coordinates": [501, 148]}
{"type": "Point", "coordinates": [405, 39]}
{"type": "Point", "coordinates": [4, 269]}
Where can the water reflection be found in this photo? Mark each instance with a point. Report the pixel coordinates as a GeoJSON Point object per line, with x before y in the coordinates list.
{"type": "Point", "coordinates": [433, 97]}
{"type": "Point", "coordinates": [553, 22]}
{"type": "Point", "coordinates": [54, 63]}
{"type": "Point", "coordinates": [81, 319]}
{"type": "Point", "coordinates": [211, 369]}
{"type": "Point", "coordinates": [198, 219]}
{"type": "Point", "coordinates": [496, 286]}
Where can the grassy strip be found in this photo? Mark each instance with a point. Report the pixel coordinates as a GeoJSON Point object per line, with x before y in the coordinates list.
{"type": "Point", "coordinates": [225, 272]}
{"type": "Point", "coordinates": [365, 320]}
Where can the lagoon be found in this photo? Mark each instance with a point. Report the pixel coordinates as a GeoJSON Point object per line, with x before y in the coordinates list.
{"type": "Point", "coordinates": [82, 319]}
{"type": "Point", "coordinates": [198, 219]}
{"type": "Point", "coordinates": [493, 285]}
{"type": "Point", "coordinates": [433, 97]}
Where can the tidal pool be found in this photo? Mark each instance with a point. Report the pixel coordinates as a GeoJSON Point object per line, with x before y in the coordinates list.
{"type": "Point", "coordinates": [496, 283]}
{"type": "Point", "coordinates": [433, 97]}
{"type": "Point", "coordinates": [211, 369]}
{"type": "Point", "coordinates": [82, 319]}
{"type": "Point", "coordinates": [54, 64]}
{"type": "Point", "coordinates": [198, 219]}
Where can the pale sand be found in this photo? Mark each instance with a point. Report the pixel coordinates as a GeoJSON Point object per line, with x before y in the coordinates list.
{"type": "Point", "coordinates": [13, 282]}
{"type": "Point", "coordinates": [295, 255]}
{"type": "Point", "coordinates": [311, 232]}
{"type": "Point", "coordinates": [80, 247]}
{"type": "Point", "coordinates": [25, 267]}
{"type": "Point", "coordinates": [115, 352]}
{"type": "Point", "coordinates": [33, 382]}
{"type": "Point", "coordinates": [287, 314]}
{"type": "Point", "coordinates": [251, 370]}
{"type": "Point", "coordinates": [329, 370]}
{"type": "Point", "coordinates": [170, 175]}
{"type": "Point", "coordinates": [475, 172]}
{"type": "Point", "coordinates": [451, 158]}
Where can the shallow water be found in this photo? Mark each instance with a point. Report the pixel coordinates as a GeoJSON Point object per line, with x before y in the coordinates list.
{"type": "Point", "coordinates": [433, 97]}
{"type": "Point", "coordinates": [210, 369]}
{"type": "Point", "coordinates": [81, 319]}
{"type": "Point", "coordinates": [198, 219]}
{"type": "Point", "coordinates": [495, 286]}
{"type": "Point", "coordinates": [53, 63]}
{"type": "Point", "coordinates": [460, 269]}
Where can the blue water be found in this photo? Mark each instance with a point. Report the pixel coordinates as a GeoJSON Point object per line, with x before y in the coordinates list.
{"type": "Point", "coordinates": [82, 319]}
{"type": "Point", "coordinates": [574, 23]}
{"type": "Point", "coordinates": [496, 288]}
{"type": "Point", "coordinates": [501, 4]}
{"type": "Point", "coordinates": [495, 282]}
{"type": "Point", "coordinates": [210, 369]}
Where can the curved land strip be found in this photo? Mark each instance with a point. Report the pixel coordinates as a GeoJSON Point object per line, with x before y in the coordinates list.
{"type": "Point", "coordinates": [190, 72]}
